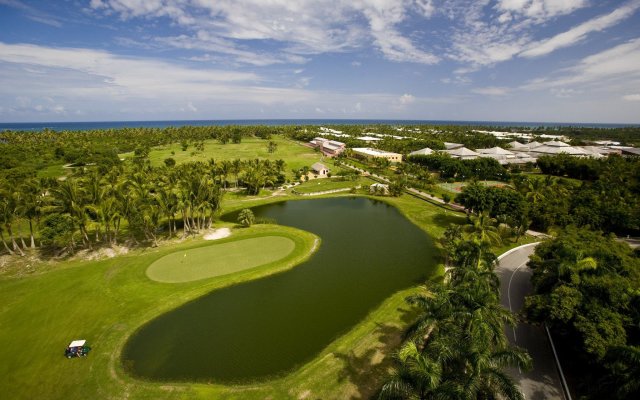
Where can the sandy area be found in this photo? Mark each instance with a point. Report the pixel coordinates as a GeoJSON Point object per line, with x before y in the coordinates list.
{"type": "Point", "coordinates": [218, 234]}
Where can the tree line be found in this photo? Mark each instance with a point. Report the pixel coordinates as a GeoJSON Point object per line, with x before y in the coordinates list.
{"type": "Point", "coordinates": [130, 199]}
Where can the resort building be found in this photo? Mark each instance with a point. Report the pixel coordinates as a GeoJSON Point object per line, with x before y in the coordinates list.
{"type": "Point", "coordinates": [554, 148]}
{"type": "Point", "coordinates": [328, 147]}
{"type": "Point", "coordinates": [463, 153]}
{"type": "Point", "coordinates": [497, 153]}
{"type": "Point", "coordinates": [369, 153]}
{"type": "Point", "coordinates": [368, 139]}
{"type": "Point", "coordinates": [452, 146]}
{"type": "Point", "coordinates": [319, 170]}
{"type": "Point", "coordinates": [422, 152]}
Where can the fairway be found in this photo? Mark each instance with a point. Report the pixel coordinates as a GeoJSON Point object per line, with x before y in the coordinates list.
{"type": "Point", "coordinates": [219, 259]}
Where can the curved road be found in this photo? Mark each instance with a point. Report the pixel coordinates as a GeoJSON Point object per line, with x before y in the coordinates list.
{"type": "Point", "coordinates": [543, 381]}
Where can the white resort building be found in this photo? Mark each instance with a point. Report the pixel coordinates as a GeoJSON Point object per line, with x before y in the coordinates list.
{"type": "Point", "coordinates": [368, 153]}
{"type": "Point", "coordinates": [462, 153]}
{"type": "Point", "coordinates": [422, 152]}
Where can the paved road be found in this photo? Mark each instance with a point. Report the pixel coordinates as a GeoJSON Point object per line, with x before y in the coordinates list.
{"type": "Point", "coordinates": [543, 381]}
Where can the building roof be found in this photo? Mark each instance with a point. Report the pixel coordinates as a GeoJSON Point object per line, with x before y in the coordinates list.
{"type": "Point", "coordinates": [462, 152]}
{"type": "Point", "coordinates": [373, 152]}
{"type": "Point", "coordinates": [555, 149]}
{"type": "Point", "coordinates": [422, 152]}
{"type": "Point", "coordinates": [331, 146]}
{"type": "Point", "coordinates": [452, 146]}
{"type": "Point", "coordinates": [368, 138]}
{"type": "Point", "coordinates": [555, 143]}
{"type": "Point", "coordinates": [631, 150]}
{"type": "Point", "coordinates": [517, 145]}
{"type": "Point", "coordinates": [533, 145]}
{"type": "Point", "coordinates": [498, 151]}
{"type": "Point", "coordinates": [318, 167]}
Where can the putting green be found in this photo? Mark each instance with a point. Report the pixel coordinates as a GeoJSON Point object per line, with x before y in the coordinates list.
{"type": "Point", "coordinates": [219, 259]}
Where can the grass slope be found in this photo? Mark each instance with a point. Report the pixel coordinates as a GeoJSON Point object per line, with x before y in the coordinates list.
{"type": "Point", "coordinates": [321, 185]}
{"type": "Point", "coordinates": [294, 153]}
{"type": "Point", "coordinates": [219, 259]}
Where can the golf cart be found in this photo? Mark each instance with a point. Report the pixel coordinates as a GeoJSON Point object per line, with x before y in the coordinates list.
{"type": "Point", "coordinates": [77, 348]}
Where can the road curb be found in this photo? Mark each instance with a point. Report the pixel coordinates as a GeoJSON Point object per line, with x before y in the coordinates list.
{"type": "Point", "coordinates": [506, 253]}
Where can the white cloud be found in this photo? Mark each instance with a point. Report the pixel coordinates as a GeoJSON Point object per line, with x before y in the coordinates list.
{"type": "Point", "coordinates": [205, 41]}
{"type": "Point", "coordinates": [632, 97]}
{"type": "Point", "coordinates": [104, 86]}
{"type": "Point", "coordinates": [133, 74]}
{"type": "Point", "coordinates": [407, 99]}
{"type": "Point", "coordinates": [580, 32]}
{"type": "Point", "coordinates": [540, 10]}
{"type": "Point", "coordinates": [492, 91]}
{"type": "Point", "coordinates": [618, 64]}
{"type": "Point", "coordinates": [479, 41]}
{"type": "Point", "coordinates": [301, 28]}
{"type": "Point", "coordinates": [33, 13]}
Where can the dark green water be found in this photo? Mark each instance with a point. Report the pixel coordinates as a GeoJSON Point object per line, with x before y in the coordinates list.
{"type": "Point", "coordinates": [273, 325]}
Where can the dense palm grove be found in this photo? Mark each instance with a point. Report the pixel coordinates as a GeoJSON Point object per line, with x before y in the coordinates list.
{"type": "Point", "coordinates": [96, 205]}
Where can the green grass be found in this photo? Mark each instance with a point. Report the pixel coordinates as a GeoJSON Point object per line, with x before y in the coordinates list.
{"type": "Point", "coordinates": [456, 187]}
{"type": "Point", "coordinates": [52, 171]}
{"type": "Point", "coordinates": [294, 153]}
{"type": "Point", "coordinates": [219, 259]}
{"type": "Point", "coordinates": [321, 185]}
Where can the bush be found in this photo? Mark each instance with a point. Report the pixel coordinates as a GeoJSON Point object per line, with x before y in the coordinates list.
{"type": "Point", "coordinates": [246, 217]}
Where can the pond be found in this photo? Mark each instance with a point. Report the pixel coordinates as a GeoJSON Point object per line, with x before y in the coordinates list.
{"type": "Point", "coordinates": [273, 325]}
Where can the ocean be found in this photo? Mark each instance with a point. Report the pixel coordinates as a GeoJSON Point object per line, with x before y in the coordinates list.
{"type": "Point", "coordinates": [76, 126]}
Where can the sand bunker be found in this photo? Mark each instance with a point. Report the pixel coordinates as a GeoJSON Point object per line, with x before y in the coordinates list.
{"type": "Point", "coordinates": [218, 234]}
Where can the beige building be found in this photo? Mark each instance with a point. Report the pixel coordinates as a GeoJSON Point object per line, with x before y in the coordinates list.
{"type": "Point", "coordinates": [368, 153]}
{"type": "Point", "coordinates": [320, 170]}
{"type": "Point", "coordinates": [328, 147]}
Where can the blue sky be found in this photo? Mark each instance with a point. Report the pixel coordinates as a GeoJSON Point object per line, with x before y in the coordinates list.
{"type": "Point", "coordinates": [491, 60]}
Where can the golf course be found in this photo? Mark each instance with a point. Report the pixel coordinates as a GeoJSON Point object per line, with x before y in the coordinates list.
{"type": "Point", "coordinates": [113, 303]}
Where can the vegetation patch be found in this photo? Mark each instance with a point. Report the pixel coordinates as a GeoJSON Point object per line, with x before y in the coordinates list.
{"type": "Point", "coordinates": [321, 185]}
{"type": "Point", "coordinates": [219, 259]}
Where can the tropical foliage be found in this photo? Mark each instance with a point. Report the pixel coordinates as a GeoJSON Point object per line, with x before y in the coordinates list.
{"type": "Point", "coordinates": [456, 348]}
{"type": "Point", "coordinates": [587, 289]}
{"type": "Point", "coordinates": [130, 201]}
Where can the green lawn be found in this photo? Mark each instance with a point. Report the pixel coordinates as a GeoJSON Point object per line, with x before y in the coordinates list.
{"type": "Point", "coordinates": [294, 153]}
{"type": "Point", "coordinates": [219, 259]}
{"type": "Point", "coordinates": [321, 185]}
{"type": "Point", "coordinates": [456, 187]}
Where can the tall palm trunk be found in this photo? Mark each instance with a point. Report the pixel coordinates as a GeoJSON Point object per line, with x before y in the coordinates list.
{"type": "Point", "coordinates": [24, 245]}
{"type": "Point", "coordinates": [33, 242]}
{"type": "Point", "coordinates": [14, 244]}
{"type": "Point", "coordinates": [5, 243]}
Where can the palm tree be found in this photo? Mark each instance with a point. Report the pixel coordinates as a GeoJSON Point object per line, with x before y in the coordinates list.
{"type": "Point", "coordinates": [8, 215]}
{"type": "Point", "coordinates": [418, 377]}
{"type": "Point", "coordinates": [535, 191]}
{"type": "Point", "coordinates": [623, 362]}
{"type": "Point", "coordinates": [482, 229]}
{"type": "Point", "coordinates": [484, 376]}
{"type": "Point", "coordinates": [70, 198]}
{"type": "Point", "coordinates": [33, 201]}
